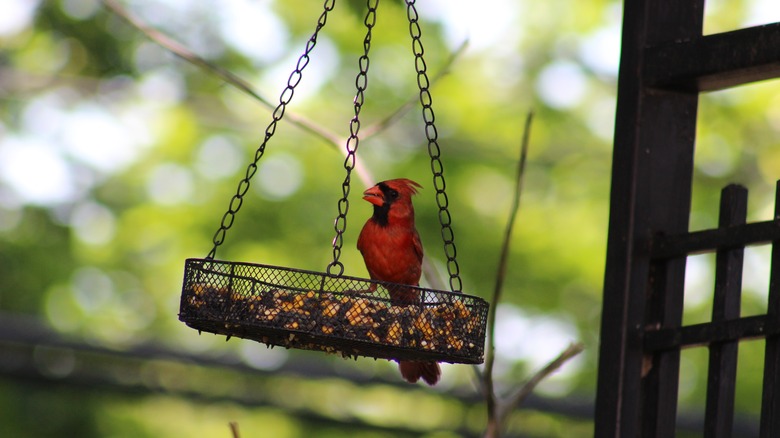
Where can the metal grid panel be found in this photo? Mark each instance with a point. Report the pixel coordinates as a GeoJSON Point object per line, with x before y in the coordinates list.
{"type": "Point", "coordinates": [337, 314]}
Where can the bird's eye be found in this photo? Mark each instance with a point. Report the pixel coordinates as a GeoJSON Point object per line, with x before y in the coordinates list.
{"type": "Point", "coordinates": [392, 193]}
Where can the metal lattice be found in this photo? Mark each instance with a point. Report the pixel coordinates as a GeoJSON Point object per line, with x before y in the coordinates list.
{"type": "Point", "coordinates": [343, 315]}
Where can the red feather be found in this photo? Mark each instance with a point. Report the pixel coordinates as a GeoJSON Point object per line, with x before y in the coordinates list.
{"type": "Point", "coordinates": [392, 252]}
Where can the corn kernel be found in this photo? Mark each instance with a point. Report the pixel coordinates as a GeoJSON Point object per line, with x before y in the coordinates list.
{"type": "Point", "coordinates": [285, 306]}
{"type": "Point", "coordinates": [331, 309]}
{"type": "Point", "coordinates": [394, 333]}
{"type": "Point", "coordinates": [461, 309]}
{"type": "Point", "coordinates": [373, 336]}
{"type": "Point", "coordinates": [424, 326]}
{"type": "Point", "coordinates": [454, 342]}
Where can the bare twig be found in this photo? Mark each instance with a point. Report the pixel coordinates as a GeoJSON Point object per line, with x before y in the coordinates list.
{"type": "Point", "coordinates": [518, 397]}
{"type": "Point", "coordinates": [183, 52]}
{"type": "Point", "coordinates": [489, 386]}
{"type": "Point", "coordinates": [178, 49]}
{"type": "Point", "coordinates": [332, 139]}
{"type": "Point", "coordinates": [234, 429]}
{"type": "Point", "coordinates": [403, 109]}
{"type": "Point", "coordinates": [498, 409]}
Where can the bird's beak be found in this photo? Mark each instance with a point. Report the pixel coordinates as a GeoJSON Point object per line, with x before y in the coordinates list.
{"type": "Point", "coordinates": [374, 196]}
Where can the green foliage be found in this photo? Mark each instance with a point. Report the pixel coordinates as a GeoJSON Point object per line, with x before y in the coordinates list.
{"type": "Point", "coordinates": [135, 191]}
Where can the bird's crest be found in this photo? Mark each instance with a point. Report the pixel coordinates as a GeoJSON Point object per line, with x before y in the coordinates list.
{"type": "Point", "coordinates": [403, 185]}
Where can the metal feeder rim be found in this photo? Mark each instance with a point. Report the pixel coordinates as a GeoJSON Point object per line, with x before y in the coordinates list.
{"type": "Point", "coordinates": [194, 260]}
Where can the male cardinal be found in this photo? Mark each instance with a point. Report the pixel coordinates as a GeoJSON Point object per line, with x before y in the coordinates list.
{"type": "Point", "coordinates": [393, 253]}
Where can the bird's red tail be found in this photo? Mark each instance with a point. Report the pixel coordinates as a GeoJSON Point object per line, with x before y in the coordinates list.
{"type": "Point", "coordinates": [414, 371]}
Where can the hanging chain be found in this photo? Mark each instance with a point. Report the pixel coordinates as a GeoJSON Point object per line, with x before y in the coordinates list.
{"type": "Point", "coordinates": [361, 82]}
{"type": "Point", "coordinates": [434, 151]}
{"type": "Point", "coordinates": [278, 113]}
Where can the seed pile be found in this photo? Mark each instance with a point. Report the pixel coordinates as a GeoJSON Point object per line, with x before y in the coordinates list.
{"type": "Point", "coordinates": [311, 319]}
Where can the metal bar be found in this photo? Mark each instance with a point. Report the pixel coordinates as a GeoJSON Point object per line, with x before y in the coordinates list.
{"type": "Point", "coordinates": [717, 61]}
{"type": "Point", "coordinates": [770, 400]}
{"type": "Point", "coordinates": [749, 327]}
{"type": "Point", "coordinates": [722, 371]}
{"type": "Point", "coordinates": [680, 245]}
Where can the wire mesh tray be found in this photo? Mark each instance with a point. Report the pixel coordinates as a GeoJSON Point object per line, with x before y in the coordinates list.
{"type": "Point", "coordinates": [337, 314]}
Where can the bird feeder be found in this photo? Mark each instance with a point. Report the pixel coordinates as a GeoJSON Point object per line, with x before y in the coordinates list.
{"type": "Point", "coordinates": [329, 311]}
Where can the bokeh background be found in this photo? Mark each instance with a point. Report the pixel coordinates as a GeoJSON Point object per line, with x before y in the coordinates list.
{"type": "Point", "coordinates": [118, 160]}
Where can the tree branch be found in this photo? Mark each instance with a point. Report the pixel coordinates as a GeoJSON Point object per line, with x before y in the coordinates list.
{"type": "Point", "coordinates": [332, 139]}
{"type": "Point", "coordinates": [234, 429]}
{"type": "Point", "coordinates": [528, 387]}
{"type": "Point", "coordinates": [501, 274]}
{"type": "Point", "coordinates": [412, 101]}
{"type": "Point", "coordinates": [178, 49]}
{"type": "Point", "coordinates": [498, 409]}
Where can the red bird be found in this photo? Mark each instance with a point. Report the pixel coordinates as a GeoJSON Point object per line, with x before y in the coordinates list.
{"type": "Point", "coordinates": [392, 252]}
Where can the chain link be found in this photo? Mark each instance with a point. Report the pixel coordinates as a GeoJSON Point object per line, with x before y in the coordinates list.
{"type": "Point", "coordinates": [243, 186]}
{"type": "Point", "coordinates": [437, 167]}
{"type": "Point", "coordinates": [361, 83]}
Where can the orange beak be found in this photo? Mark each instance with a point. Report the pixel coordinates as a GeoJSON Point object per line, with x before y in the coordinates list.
{"type": "Point", "coordinates": [374, 195]}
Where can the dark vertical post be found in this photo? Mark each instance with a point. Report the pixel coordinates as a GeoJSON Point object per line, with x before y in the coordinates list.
{"type": "Point", "coordinates": [651, 185]}
{"type": "Point", "coordinates": [770, 404]}
{"type": "Point", "coordinates": [722, 373]}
